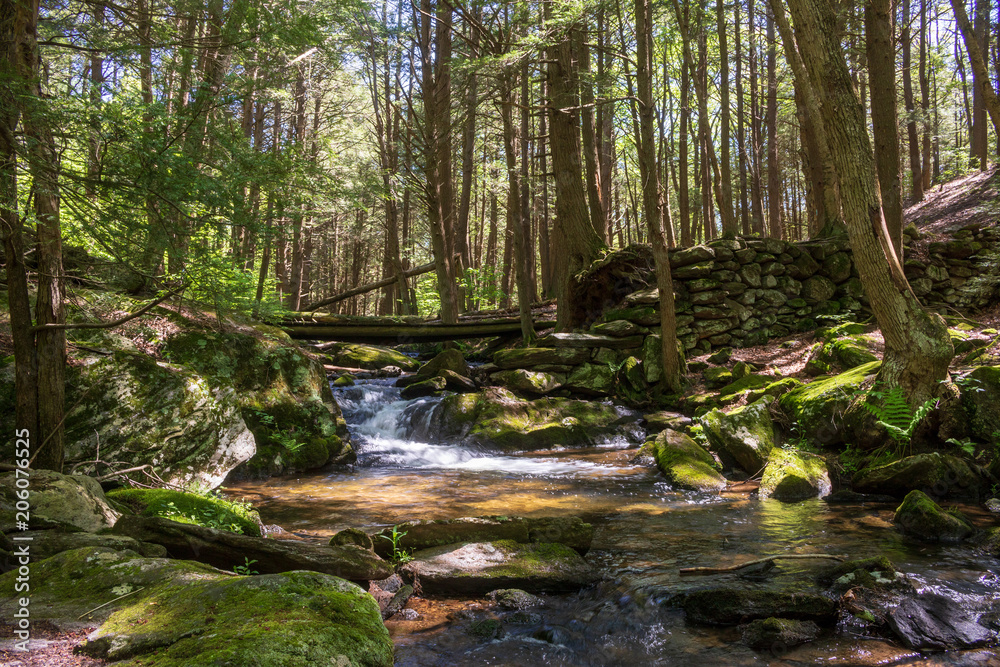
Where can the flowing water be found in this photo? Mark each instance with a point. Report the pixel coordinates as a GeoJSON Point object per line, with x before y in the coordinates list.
{"type": "Point", "coordinates": [644, 532]}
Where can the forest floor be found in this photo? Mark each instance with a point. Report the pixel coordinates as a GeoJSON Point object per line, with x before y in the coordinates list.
{"type": "Point", "coordinates": [968, 200]}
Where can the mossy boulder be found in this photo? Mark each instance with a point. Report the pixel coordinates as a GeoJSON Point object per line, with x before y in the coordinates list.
{"type": "Point", "coordinates": [201, 510]}
{"type": "Point", "coordinates": [980, 398]}
{"type": "Point", "coordinates": [685, 463]}
{"type": "Point", "coordinates": [352, 537]}
{"type": "Point", "coordinates": [717, 376]}
{"type": "Point", "coordinates": [570, 531]}
{"type": "Point", "coordinates": [923, 519]}
{"type": "Point", "coordinates": [524, 381]}
{"type": "Point", "coordinates": [48, 543]}
{"type": "Point", "coordinates": [74, 501]}
{"type": "Point", "coordinates": [530, 357]}
{"type": "Point", "coordinates": [451, 360]}
{"type": "Point", "coordinates": [432, 386]}
{"type": "Point", "coordinates": [592, 380]}
{"type": "Point", "coordinates": [746, 434]}
{"type": "Point", "coordinates": [495, 418]}
{"type": "Point", "coordinates": [765, 634]}
{"type": "Point", "coordinates": [941, 475]}
{"type": "Point", "coordinates": [729, 606]}
{"type": "Point", "coordinates": [479, 567]}
{"type": "Point", "coordinates": [818, 407]}
{"type": "Point", "coordinates": [746, 383]}
{"type": "Point", "coordinates": [369, 357]}
{"type": "Point", "coordinates": [774, 389]}
{"type": "Point", "coordinates": [791, 476]}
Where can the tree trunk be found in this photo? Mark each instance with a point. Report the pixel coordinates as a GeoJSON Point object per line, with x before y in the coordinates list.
{"type": "Point", "coordinates": [725, 193]}
{"type": "Point", "coordinates": [978, 61]}
{"type": "Point", "coordinates": [916, 180]}
{"type": "Point", "coordinates": [774, 222]}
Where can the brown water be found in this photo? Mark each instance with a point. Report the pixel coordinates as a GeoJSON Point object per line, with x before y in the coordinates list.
{"type": "Point", "coordinates": [644, 532]}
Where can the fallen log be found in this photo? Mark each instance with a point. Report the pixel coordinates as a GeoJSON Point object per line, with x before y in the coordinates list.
{"type": "Point", "coordinates": [399, 333]}
{"type": "Point", "coordinates": [758, 561]}
{"type": "Point", "coordinates": [370, 287]}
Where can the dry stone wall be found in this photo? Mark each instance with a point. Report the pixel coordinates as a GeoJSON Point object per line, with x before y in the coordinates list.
{"type": "Point", "coordinates": [740, 293]}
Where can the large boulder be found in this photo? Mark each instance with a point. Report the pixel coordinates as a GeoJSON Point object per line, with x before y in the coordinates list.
{"type": "Point", "coordinates": [48, 543]}
{"type": "Point", "coordinates": [923, 519]}
{"type": "Point", "coordinates": [940, 475]}
{"type": "Point", "coordinates": [934, 621]}
{"type": "Point", "coordinates": [768, 633]}
{"type": "Point", "coordinates": [592, 380]}
{"type": "Point", "coordinates": [792, 476]}
{"type": "Point", "coordinates": [202, 510]}
{"type": "Point", "coordinates": [159, 611]}
{"type": "Point", "coordinates": [418, 535]}
{"type": "Point", "coordinates": [495, 418]}
{"type": "Point", "coordinates": [818, 408]}
{"type": "Point", "coordinates": [369, 357]}
{"type": "Point", "coordinates": [721, 605]}
{"type": "Point", "coordinates": [746, 434]}
{"type": "Point", "coordinates": [76, 501]}
{"type": "Point", "coordinates": [524, 381]}
{"type": "Point", "coordinates": [530, 357]}
{"type": "Point", "coordinates": [450, 360]}
{"type": "Point", "coordinates": [227, 550]}
{"type": "Point", "coordinates": [980, 398]}
{"type": "Point", "coordinates": [685, 463]}
{"type": "Point", "coordinates": [476, 568]}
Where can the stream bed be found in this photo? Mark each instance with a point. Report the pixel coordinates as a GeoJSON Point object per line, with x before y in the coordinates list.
{"type": "Point", "coordinates": [644, 532]}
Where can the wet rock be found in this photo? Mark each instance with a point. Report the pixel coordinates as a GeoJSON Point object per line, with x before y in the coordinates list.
{"type": "Point", "coordinates": [352, 537]}
{"type": "Point", "coordinates": [226, 550]}
{"type": "Point", "coordinates": [48, 543]}
{"type": "Point", "coordinates": [657, 421]}
{"type": "Point", "coordinates": [430, 387]}
{"type": "Point", "coordinates": [570, 531]}
{"type": "Point", "coordinates": [818, 407]}
{"type": "Point", "coordinates": [989, 542]}
{"type": "Point", "coordinates": [685, 463]}
{"type": "Point", "coordinates": [514, 599]}
{"type": "Point", "coordinates": [486, 628]}
{"type": "Point", "coordinates": [369, 357]}
{"type": "Point", "coordinates": [456, 382]}
{"type": "Point", "coordinates": [941, 475]}
{"type": "Point", "coordinates": [57, 499]}
{"type": "Point", "coordinates": [451, 360]}
{"type": "Point", "coordinates": [529, 382]}
{"type": "Point", "coordinates": [731, 606]}
{"type": "Point", "coordinates": [938, 622]}
{"type": "Point", "coordinates": [344, 381]}
{"type": "Point", "coordinates": [398, 601]}
{"type": "Point", "coordinates": [746, 434]}
{"type": "Point", "coordinates": [923, 519]}
{"type": "Point", "coordinates": [479, 567]}
{"type": "Point", "coordinates": [848, 496]}
{"type": "Point", "coordinates": [792, 476]}
{"type": "Point", "coordinates": [771, 634]}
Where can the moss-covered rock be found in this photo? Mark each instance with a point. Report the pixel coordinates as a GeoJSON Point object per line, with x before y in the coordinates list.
{"type": "Point", "coordinates": [496, 418]}
{"type": "Point", "coordinates": [774, 389]}
{"type": "Point", "coordinates": [201, 510]}
{"type": "Point", "coordinates": [592, 380]}
{"type": "Point", "coordinates": [818, 407]}
{"type": "Point", "coordinates": [730, 606]}
{"type": "Point", "coordinates": [48, 543]}
{"type": "Point", "coordinates": [530, 357]}
{"type": "Point", "coordinates": [746, 434]}
{"type": "Point", "coordinates": [717, 376]}
{"type": "Point", "coordinates": [514, 599]}
{"type": "Point", "coordinates": [76, 501]}
{"type": "Point", "coordinates": [369, 357]}
{"type": "Point", "coordinates": [792, 476]}
{"type": "Point", "coordinates": [479, 567]}
{"type": "Point", "coordinates": [923, 519]}
{"type": "Point", "coordinates": [766, 634]}
{"type": "Point", "coordinates": [451, 360]}
{"type": "Point", "coordinates": [352, 537]}
{"type": "Point", "coordinates": [524, 381]}
{"type": "Point", "coordinates": [432, 386]}
{"type": "Point", "coordinates": [980, 399]}
{"type": "Point", "coordinates": [746, 383]}
{"type": "Point", "coordinates": [941, 475]}
{"type": "Point", "coordinates": [685, 463]}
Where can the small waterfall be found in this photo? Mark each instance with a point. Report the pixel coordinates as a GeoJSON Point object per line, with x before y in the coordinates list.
{"type": "Point", "coordinates": [390, 432]}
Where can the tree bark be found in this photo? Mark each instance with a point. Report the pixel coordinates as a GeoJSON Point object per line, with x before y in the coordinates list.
{"type": "Point", "coordinates": [916, 180]}
{"type": "Point", "coordinates": [977, 59]}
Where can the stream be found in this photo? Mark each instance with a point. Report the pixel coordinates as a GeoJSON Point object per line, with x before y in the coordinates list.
{"type": "Point", "coordinates": [644, 532]}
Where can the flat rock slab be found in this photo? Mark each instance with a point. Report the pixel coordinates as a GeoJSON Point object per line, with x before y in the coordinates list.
{"type": "Point", "coordinates": [570, 531]}
{"type": "Point", "coordinates": [477, 568]}
{"type": "Point", "coordinates": [588, 340]}
{"type": "Point", "coordinates": [731, 606]}
{"type": "Point", "coordinates": [226, 550]}
{"type": "Point", "coordinates": [937, 622]}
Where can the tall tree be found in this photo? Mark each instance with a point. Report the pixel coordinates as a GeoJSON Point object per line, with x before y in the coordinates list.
{"type": "Point", "coordinates": [882, 69]}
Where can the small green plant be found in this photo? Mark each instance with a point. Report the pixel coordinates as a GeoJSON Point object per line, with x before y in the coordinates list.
{"type": "Point", "coordinates": [245, 568]}
{"type": "Point", "coordinates": [399, 555]}
{"type": "Point", "coordinates": [966, 445]}
{"type": "Point", "coordinates": [894, 414]}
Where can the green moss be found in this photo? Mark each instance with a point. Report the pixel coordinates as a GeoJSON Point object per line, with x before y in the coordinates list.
{"type": "Point", "coordinates": [820, 405]}
{"type": "Point", "coordinates": [746, 383]}
{"type": "Point", "coordinates": [201, 510]}
{"type": "Point", "coordinates": [746, 433]}
{"type": "Point", "coordinates": [685, 463]}
{"type": "Point", "coordinates": [922, 518]}
{"type": "Point", "coordinates": [792, 476]}
{"type": "Point", "coordinates": [369, 357]}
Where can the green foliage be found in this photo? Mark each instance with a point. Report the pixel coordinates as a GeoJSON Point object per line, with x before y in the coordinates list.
{"type": "Point", "coordinates": [483, 285]}
{"type": "Point", "coordinates": [196, 506]}
{"type": "Point", "coordinates": [287, 438]}
{"type": "Point", "coordinates": [893, 413]}
{"type": "Point", "coordinates": [399, 555]}
{"type": "Point", "coordinates": [245, 569]}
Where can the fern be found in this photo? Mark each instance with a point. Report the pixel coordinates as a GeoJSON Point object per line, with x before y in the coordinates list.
{"type": "Point", "coordinates": [894, 414]}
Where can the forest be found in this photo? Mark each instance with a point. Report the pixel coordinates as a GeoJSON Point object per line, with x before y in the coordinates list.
{"type": "Point", "coordinates": [453, 332]}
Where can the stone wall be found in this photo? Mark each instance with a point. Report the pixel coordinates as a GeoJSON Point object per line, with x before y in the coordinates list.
{"type": "Point", "coordinates": [737, 293]}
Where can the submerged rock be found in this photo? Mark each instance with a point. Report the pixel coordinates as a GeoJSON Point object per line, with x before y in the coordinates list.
{"type": "Point", "coordinates": [57, 499]}
{"type": "Point", "coordinates": [514, 599]}
{"type": "Point", "coordinates": [792, 476]}
{"type": "Point", "coordinates": [746, 434]}
{"type": "Point", "coordinates": [685, 463]}
{"type": "Point", "coordinates": [942, 475]}
{"type": "Point", "coordinates": [731, 606]}
{"type": "Point", "coordinates": [922, 518]}
{"type": "Point", "coordinates": [765, 634]}
{"type": "Point", "coordinates": [937, 622]}
{"type": "Point", "coordinates": [476, 568]}
{"type": "Point", "coordinates": [227, 550]}
{"type": "Point", "coordinates": [419, 535]}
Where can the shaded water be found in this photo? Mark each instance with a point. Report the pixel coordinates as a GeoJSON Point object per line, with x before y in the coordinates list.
{"type": "Point", "coordinates": [644, 532]}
